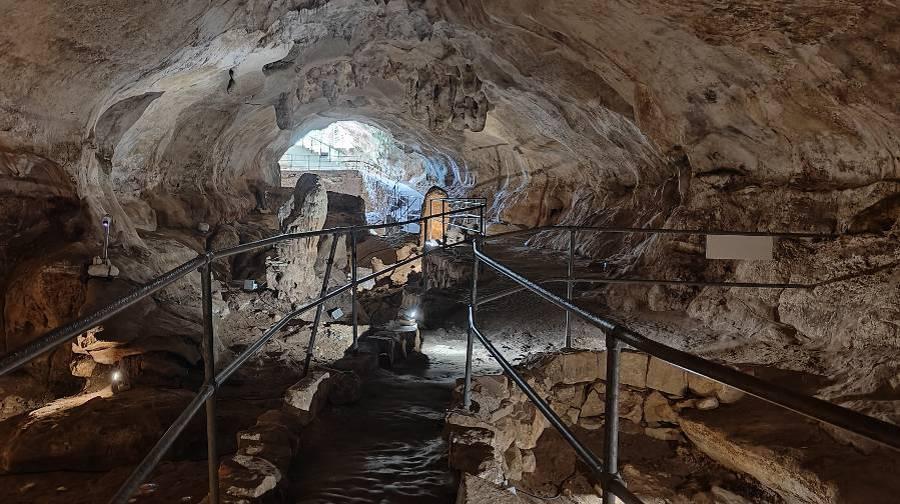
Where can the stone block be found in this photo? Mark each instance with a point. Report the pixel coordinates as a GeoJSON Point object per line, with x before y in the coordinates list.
{"type": "Point", "coordinates": [247, 479]}
{"type": "Point", "coordinates": [705, 387]}
{"type": "Point", "coordinates": [707, 403]}
{"type": "Point", "coordinates": [573, 367]}
{"type": "Point", "coordinates": [631, 403]}
{"type": "Point", "coordinates": [594, 404]}
{"type": "Point", "coordinates": [633, 369]}
{"type": "Point", "coordinates": [657, 410]}
{"type": "Point", "coordinates": [306, 398]}
{"type": "Point", "coordinates": [666, 378]}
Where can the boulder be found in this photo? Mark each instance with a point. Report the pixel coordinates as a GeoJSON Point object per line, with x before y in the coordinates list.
{"type": "Point", "coordinates": [775, 468]}
{"type": "Point", "coordinates": [361, 363]}
{"type": "Point", "coordinates": [265, 451]}
{"type": "Point", "coordinates": [272, 440]}
{"type": "Point", "coordinates": [664, 433]}
{"type": "Point", "coordinates": [490, 394]}
{"type": "Point", "coordinates": [594, 404]}
{"type": "Point", "coordinates": [527, 425]}
{"type": "Point", "coordinates": [247, 479]}
{"type": "Point", "coordinates": [473, 446]}
{"type": "Point", "coordinates": [707, 403]}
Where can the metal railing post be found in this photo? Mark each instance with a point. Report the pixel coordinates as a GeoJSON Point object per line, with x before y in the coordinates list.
{"type": "Point", "coordinates": [570, 286]}
{"type": "Point", "coordinates": [354, 295]}
{"type": "Point", "coordinates": [444, 220]}
{"type": "Point", "coordinates": [319, 309]}
{"type": "Point", "coordinates": [611, 425]}
{"type": "Point", "coordinates": [470, 337]}
{"type": "Point", "coordinates": [481, 221]}
{"type": "Point", "coordinates": [209, 373]}
{"type": "Point", "coordinates": [425, 238]}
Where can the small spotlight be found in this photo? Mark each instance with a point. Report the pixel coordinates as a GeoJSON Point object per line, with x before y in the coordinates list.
{"type": "Point", "coordinates": [116, 376]}
{"type": "Point", "coordinates": [411, 313]}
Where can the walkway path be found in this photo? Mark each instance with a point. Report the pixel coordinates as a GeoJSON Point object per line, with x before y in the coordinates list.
{"type": "Point", "coordinates": [387, 448]}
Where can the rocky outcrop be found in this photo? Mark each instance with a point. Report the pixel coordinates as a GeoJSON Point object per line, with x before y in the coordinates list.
{"type": "Point", "coordinates": [505, 441]}
{"type": "Point", "coordinates": [63, 435]}
{"type": "Point", "coordinates": [649, 114]}
{"type": "Point", "coordinates": [790, 455]}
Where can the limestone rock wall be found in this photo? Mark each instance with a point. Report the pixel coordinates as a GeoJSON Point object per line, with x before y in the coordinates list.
{"type": "Point", "coordinates": [750, 115]}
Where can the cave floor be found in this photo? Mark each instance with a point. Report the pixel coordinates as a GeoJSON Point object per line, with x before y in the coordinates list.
{"type": "Point", "coordinates": [387, 448]}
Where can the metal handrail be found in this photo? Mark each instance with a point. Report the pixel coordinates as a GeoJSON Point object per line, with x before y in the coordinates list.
{"type": "Point", "coordinates": [207, 392]}
{"type": "Point", "coordinates": [571, 281]}
{"type": "Point", "coordinates": [584, 453]}
{"type": "Point", "coordinates": [602, 280]}
{"type": "Point", "coordinates": [15, 359]}
{"type": "Point", "coordinates": [344, 160]}
{"type": "Point", "coordinates": [868, 427]}
{"type": "Point", "coordinates": [625, 229]}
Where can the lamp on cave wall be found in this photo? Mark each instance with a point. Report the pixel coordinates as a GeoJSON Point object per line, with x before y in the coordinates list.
{"type": "Point", "coordinates": [117, 381]}
{"type": "Point", "coordinates": [101, 266]}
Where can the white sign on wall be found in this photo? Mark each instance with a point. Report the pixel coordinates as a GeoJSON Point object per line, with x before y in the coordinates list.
{"type": "Point", "coordinates": [752, 248]}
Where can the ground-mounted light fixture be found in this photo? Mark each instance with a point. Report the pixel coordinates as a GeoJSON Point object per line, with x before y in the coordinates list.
{"type": "Point", "coordinates": [117, 381]}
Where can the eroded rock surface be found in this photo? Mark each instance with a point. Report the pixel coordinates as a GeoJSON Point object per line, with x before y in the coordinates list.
{"type": "Point", "coordinates": [778, 455]}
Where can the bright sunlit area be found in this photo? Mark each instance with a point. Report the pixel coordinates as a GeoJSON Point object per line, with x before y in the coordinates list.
{"type": "Point", "coordinates": [361, 160]}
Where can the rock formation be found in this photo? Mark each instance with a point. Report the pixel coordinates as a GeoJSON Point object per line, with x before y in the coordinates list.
{"type": "Point", "coordinates": [171, 118]}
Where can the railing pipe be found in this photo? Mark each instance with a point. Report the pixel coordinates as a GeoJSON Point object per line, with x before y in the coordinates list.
{"type": "Point", "coordinates": [621, 229]}
{"type": "Point", "coordinates": [354, 292]}
{"type": "Point", "coordinates": [569, 286]}
{"type": "Point", "coordinates": [611, 413]}
{"type": "Point", "coordinates": [266, 242]}
{"type": "Point", "coordinates": [209, 372]}
{"type": "Point", "coordinates": [583, 452]}
{"type": "Point", "coordinates": [426, 237]}
{"type": "Point", "coordinates": [310, 349]}
{"type": "Point", "coordinates": [817, 409]}
{"type": "Point", "coordinates": [473, 304]}
{"type": "Point", "coordinates": [595, 280]}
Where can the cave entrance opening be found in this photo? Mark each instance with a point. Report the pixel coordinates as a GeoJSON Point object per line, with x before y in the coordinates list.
{"type": "Point", "coordinates": [361, 160]}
